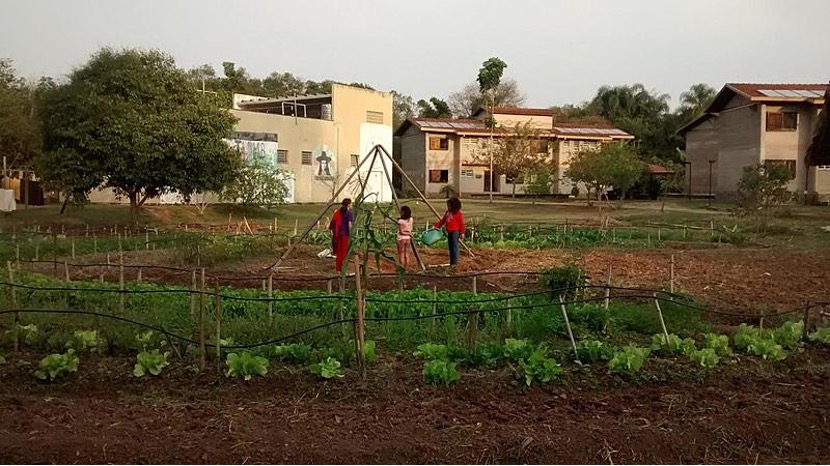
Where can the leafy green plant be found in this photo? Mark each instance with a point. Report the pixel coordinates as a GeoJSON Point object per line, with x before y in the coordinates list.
{"type": "Point", "coordinates": [485, 355]}
{"type": "Point", "coordinates": [821, 335]}
{"type": "Point", "coordinates": [294, 353]}
{"type": "Point", "coordinates": [83, 339]}
{"type": "Point", "coordinates": [718, 343]}
{"type": "Point", "coordinates": [789, 334]}
{"type": "Point", "coordinates": [55, 365]}
{"type": "Point", "coordinates": [150, 362]}
{"type": "Point", "coordinates": [150, 340]}
{"type": "Point", "coordinates": [562, 281]}
{"type": "Point", "coordinates": [245, 365]}
{"type": "Point", "coordinates": [517, 349]}
{"type": "Point", "coordinates": [767, 349]}
{"type": "Point", "coordinates": [673, 345]}
{"type": "Point", "coordinates": [593, 316]}
{"type": "Point", "coordinates": [432, 351]}
{"type": "Point", "coordinates": [745, 336]}
{"type": "Point", "coordinates": [593, 351]}
{"type": "Point", "coordinates": [706, 357]}
{"type": "Point", "coordinates": [2, 359]}
{"type": "Point", "coordinates": [539, 368]}
{"type": "Point", "coordinates": [629, 360]}
{"type": "Point", "coordinates": [327, 369]}
{"type": "Point", "coordinates": [439, 372]}
{"type": "Point", "coordinates": [29, 332]}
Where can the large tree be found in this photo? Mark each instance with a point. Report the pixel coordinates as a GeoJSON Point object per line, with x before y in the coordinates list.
{"type": "Point", "coordinates": [819, 151]}
{"type": "Point", "coordinates": [19, 132]}
{"type": "Point", "coordinates": [469, 99]}
{"type": "Point", "coordinates": [615, 164]}
{"type": "Point", "coordinates": [434, 108]}
{"type": "Point", "coordinates": [518, 153]}
{"type": "Point", "coordinates": [695, 101]}
{"type": "Point", "coordinates": [130, 120]}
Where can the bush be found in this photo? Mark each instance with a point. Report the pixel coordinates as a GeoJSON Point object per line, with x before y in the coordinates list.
{"type": "Point", "coordinates": [563, 281]}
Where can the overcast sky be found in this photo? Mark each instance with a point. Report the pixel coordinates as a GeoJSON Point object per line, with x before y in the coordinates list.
{"type": "Point", "coordinates": [559, 52]}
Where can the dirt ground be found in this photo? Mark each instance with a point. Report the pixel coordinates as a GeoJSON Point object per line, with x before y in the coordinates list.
{"type": "Point", "coordinates": [749, 412]}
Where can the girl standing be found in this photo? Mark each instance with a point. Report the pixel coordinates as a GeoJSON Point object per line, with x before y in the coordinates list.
{"type": "Point", "coordinates": [454, 221]}
{"type": "Point", "coordinates": [404, 236]}
{"type": "Point", "coordinates": [341, 225]}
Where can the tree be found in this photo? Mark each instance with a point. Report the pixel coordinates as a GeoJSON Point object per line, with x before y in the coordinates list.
{"type": "Point", "coordinates": [434, 108]}
{"type": "Point", "coordinates": [469, 99]}
{"type": "Point", "coordinates": [131, 121]}
{"type": "Point", "coordinates": [614, 164]}
{"type": "Point", "coordinates": [819, 151]}
{"type": "Point", "coordinates": [695, 101]}
{"type": "Point", "coordinates": [259, 183]}
{"type": "Point", "coordinates": [403, 107]}
{"type": "Point", "coordinates": [761, 189]}
{"type": "Point", "coordinates": [519, 152]}
{"type": "Point", "coordinates": [489, 78]}
{"type": "Point", "coordinates": [19, 133]}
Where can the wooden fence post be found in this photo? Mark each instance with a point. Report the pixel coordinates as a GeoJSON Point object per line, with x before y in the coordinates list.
{"type": "Point", "coordinates": [73, 248]}
{"type": "Point", "coordinates": [568, 326]}
{"type": "Point", "coordinates": [270, 296]}
{"type": "Point", "coordinates": [608, 288]}
{"type": "Point", "coordinates": [121, 283]}
{"type": "Point", "coordinates": [660, 313]}
{"type": "Point", "coordinates": [358, 323]}
{"type": "Point", "coordinates": [15, 315]}
{"type": "Point", "coordinates": [434, 304]}
{"type": "Point", "coordinates": [671, 275]}
{"type": "Point", "coordinates": [473, 319]}
{"type": "Point", "coordinates": [202, 323]}
{"type": "Point", "coordinates": [217, 300]}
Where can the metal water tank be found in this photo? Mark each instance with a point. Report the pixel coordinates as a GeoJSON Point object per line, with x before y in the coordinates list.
{"type": "Point", "coordinates": [325, 112]}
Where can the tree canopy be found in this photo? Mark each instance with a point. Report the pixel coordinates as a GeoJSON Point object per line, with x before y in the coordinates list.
{"type": "Point", "coordinates": [434, 108]}
{"type": "Point", "coordinates": [19, 131]}
{"type": "Point", "coordinates": [469, 99]}
{"type": "Point", "coordinates": [130, 120]}
{"type": "Point", "coordinates": [614, 164]}
{"type": "Point", "coordinates": [519, 153]}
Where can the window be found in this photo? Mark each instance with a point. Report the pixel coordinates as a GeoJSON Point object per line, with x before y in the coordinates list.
{"type": "Point", "coordinates": [354, 159]}
{"type": "Point", "coordinates": [782, 121]}
{"type": "Point", "coordinates": [439, 176]}
{"type": "Point", "coordinates": [439, 143]}
{"type": "Point", "coordinates": [306, 157]}
{"type": "Point", "coordinates": [468, 174]}
{"type": "Point", "coordinates": [282, 156]}
{"type": "Point", "coordinates": [374, 117]}
{"type": "Point", "coordinates": [790, 164]}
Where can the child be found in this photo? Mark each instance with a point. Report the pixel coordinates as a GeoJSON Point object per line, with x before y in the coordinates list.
{"type": "Point", "coordinates": [454, 221]}
{"type": "Point", "coordinates": [404, 236]}
{"type": "Point", "coordinates": [341, 224]}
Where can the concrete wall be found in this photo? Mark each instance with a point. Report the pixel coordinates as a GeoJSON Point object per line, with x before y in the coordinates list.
{"type": "Point", "coordinates": [413, 157]}
{"type": "Point", "coordinates": [739, 145]}
{"type": "Point", "coordinates": [819, 182]}
{"type": "Point", "coordinates": [441, 159]}
{"type": "Point", "coordinates": [701, 147]}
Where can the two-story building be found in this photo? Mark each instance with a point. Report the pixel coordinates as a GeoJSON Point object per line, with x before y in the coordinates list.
{"type": "Point", "coordinates": [440, 152]}
{"type": "Point", "coordinates": [748, 124]}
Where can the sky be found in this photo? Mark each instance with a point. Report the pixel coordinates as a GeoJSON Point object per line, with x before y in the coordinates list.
{"type": "Point", "coordinates": [559, 52]}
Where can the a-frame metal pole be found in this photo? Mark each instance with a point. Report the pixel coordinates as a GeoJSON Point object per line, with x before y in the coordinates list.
{"type": "Point", "coordinates": [323, 211]}
{"type": "Point", "coordinates": [398, 206]}
{"type": "Point", "coordinates": [419, 193]}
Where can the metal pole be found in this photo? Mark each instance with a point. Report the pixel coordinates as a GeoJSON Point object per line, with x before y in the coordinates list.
{"type": "Point", "coordinates": [710, 182]}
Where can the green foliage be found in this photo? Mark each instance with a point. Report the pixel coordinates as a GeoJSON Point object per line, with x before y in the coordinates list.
{"type": "Point", "coordinates": [440, 372]}
{"type": "Point", "coordinates": [673, 345]}
{"type": "Point", "coordinates": [150, 340]}
{"type": "Point", "coordinates": [516, 350]}
{"type": "Point", "coordinates": [767, 348]}
{"type": "Point", "coordinates": [432, 351]}
{"type": "Point", "coordinates": [593, 317]}
{"type": "Point", "coordinates": [485, 355]}
{"type": "Point", "coordinates": [615, 164]}
{"type": "Point", "coordinates": [539, 368]}
{"type": "Point", "coordinates": [821, 335]}
{"type": "Point", "coordinates": [258, 183]}
{"type": "Point", "coordinates": [245, 365]}
{"type": "Point", "coordinates": [30, 333]}
{"type": "Point", "coordinates": [130, 120]}
{"type": "Point", "coordinates": [629, 360]}
{"type": "Point", "coordinates": [539, 181]}
{"type": "Point", "coordinates": [789, 334]}
{"type": "Point", "coordinates": [19, 133]}
{"type": "Point", "coordinates": [83, 339]}
{"type": "Point", "coordinates": [433, 108]}
{"type": "Point", "coordinates": [150, 362]}
{"type": "Point", "coordinates": [55, 365]}
{"type": "Point", "coordinates": [293, 353]}
{"type": "Point", "coordinates": [2, 359]}
{"type": "Point", "coordinates": [761, 189]}
{"type": "Point", "coordinates": [706, 357]}
{"type": "Point", "coordinates": [745, 336]}
{"type": "Point", "coordinates": [593, 351]}
{"type": "Point", "coordinates": [369, 351]}
{"type": "Point", "coordinates": [490, 73]}
{"type": "Point", "coordinates": [718, 343]}
{"type": "Point", "coordinates": [731, 235]}
{"type": "Point", "coordinates": [562, 281]}
{"type": "Point", "coordinates": [327, 369]}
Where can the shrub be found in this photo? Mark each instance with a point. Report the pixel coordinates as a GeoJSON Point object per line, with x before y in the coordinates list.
{"type": "Point", "coordinates": [562, 281]}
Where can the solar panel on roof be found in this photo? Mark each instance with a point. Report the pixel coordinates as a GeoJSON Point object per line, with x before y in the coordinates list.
{"type": "Point", "coordinates": [804, 93]}
{"type": "Point", "coordinates": [770, 93]}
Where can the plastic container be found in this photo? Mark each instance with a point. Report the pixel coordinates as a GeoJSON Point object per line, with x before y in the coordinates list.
{"type": "Point", "coordinates": [431, 236]}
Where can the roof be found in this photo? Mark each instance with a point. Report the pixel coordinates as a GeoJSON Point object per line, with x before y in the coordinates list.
{"type": "Point", "coordinates": [572, 130]}
{"type": "Point", "coordinates": [659, 170]}
{"type": "Point", "coordinates": [576, 129]}
{"type": "Point", "coordinates": [761, 93]}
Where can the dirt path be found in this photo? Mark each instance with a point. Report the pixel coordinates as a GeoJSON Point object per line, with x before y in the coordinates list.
{"type": "Point", "coordinates": [745, 415]}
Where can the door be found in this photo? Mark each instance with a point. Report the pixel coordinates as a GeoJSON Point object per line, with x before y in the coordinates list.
{"type": "Point", "coordinates": [487, 182]}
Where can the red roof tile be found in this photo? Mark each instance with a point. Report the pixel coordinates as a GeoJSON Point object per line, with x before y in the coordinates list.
{"type": "Point", "coordinates": [753, 89]}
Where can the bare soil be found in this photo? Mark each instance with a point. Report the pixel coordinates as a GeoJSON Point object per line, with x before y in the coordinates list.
{"type": "Point", "coordinates": [744, 412]}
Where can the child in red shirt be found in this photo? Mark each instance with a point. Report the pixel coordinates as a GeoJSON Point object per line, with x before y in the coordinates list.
{"type": "Point", "coordinates": [453, 219]}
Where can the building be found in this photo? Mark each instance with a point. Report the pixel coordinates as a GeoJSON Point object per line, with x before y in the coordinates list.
{"type": "Point", "coordinates": [751, 123]}
{"type": "Point", "coordinates": [316, 139]}
{"type": "Point", "coordinates": [440, 152]}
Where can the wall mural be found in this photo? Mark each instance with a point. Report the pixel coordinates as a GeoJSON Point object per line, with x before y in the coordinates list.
{"type": "Point", "coordinates": [325, 167]}
{"type": "Point", "coordinates": [256, 146]}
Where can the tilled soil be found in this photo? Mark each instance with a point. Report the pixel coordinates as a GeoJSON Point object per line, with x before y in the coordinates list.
{"type": "Point", "coordinates": [749, 412]}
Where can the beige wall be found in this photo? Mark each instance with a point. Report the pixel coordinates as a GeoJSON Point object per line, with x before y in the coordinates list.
{"type": "Point", "coordinates": [739, 145]}
{"type": "Point", "coordinates": [701, 147]}
{"type": "Point", "coordinates": [790, 145]}
{"type": "Point", "coordinates": [819, 182]}
{"type": "Point", "coordinates": [510, 121]}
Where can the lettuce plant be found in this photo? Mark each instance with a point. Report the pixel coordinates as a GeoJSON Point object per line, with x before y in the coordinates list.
{"type": "Point", "coordinates": [629, 360]}
{"type": "Point", "coordinates": [245, 365]}
{"type": "Point", "coordinates": [150, 362]}
{"type": "Point", "coordinates": [673, 344]}
{"type": "Point", "coordinates": [719, 343]}
{"type": "Point", "coordinates": [517, 349]}
{"type": "Point", "coordinates": [593, 351]}
{"type": "Point", "coordinates": [706, 357]}
{"type": "Point", "coordinates": [327, 369]}
{"type": "Point", "coordinates": [439, 372]}
{"type": "Point", "coordinates": [821, 335]}
{"type": "Point", "coordinates": [539, 368]}
{"type": "Point", "coordinates": [432, 351]}
{"type": "Point", "coordinates": [55, 365]}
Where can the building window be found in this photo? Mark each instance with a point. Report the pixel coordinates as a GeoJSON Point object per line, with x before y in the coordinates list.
{"type": "Point", "coordinates": [782, 121]}
{"type": "Point", "coordinates": [468, 173]}
{"type": "Point", "coordinates": [439, 144]}
{"type": "Point", "coordinates": [790, 164]}
{"type": "Point", "coordinates": [439, 176]}
{"type": "Point", "coordinates": [354, 159]}
{"type": "Point", "coordinates": [306, 157]}
{"type": "Point", "coordinates": [282, 156]}
{"type": "Point", "coordinates": [374, 117]}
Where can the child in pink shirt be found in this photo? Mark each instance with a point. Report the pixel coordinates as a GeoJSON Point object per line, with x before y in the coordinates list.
{"type": "Point", "coordinates": [404, 236]}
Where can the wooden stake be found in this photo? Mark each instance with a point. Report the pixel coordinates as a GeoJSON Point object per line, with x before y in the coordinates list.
{"type": "Point", "coordinates": [358, 324]}
{"type": "Point", "coordinates": [73, 248]}
{"type": "Point", "coordinates": [15, 315]}
{"type": "Point", "coordinates": [146, 240]}
{"type": "Point", "coordinates": [193, 294]}
{"type": "Point", "coordinates": [121, 283]}
{"type": "Point", "coordinates": [568, 326]}
{"type": "Point", "coordinates": [671, 275]}
{"type": "Point", "coordinates": [217, 300]}
{"type": "Point", "coordinates": [66, 271]}
{"type": "Point", "coordinates": [138, 278]}
{"type": "Point", "coordinates": [202, 323]}
{"type": "Point", "coordinates": [660, 313]}
{"type": "Point", "coordinates": [659, 236]}
{"type": "Point", "coordinates": [270, 296]}
{"type": "Point", "coordinates": [328, 286]}
{"type": "Point", "coordinates": [473, 320]}
{"type": "Point", "coordinates": [297, 224]}
{"type": "Point", "coordinates": [608, 288]}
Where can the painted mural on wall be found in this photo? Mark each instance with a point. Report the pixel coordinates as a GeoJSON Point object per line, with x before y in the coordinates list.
{"type": "Point", "coordinates": [325, 167]}
{"type": "Point", "coordinates": [261, 147]}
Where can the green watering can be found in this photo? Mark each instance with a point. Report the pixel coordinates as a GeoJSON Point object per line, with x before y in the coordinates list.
{"type": "Point", "coordinates": [431, 236]}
